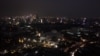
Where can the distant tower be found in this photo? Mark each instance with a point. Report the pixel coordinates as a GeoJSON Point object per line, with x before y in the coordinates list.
{"type": "Point", "coordinates": [84, 21]}
{"type": "Point", "coordinates": [37, 17]}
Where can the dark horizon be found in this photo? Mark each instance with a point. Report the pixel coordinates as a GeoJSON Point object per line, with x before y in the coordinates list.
{"type": "Point", "coordinates": [69, 8]}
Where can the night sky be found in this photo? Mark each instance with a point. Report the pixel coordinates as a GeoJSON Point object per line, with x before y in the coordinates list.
{"type": "Point", "coordinates": [78, 8]}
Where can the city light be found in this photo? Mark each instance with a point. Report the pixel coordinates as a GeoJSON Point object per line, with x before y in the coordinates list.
{"type": "Point", "coordinates": [32, 35]}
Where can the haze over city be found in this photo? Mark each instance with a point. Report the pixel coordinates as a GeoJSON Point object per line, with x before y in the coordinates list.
{"type": "Point", "coordinates": [70, 8]}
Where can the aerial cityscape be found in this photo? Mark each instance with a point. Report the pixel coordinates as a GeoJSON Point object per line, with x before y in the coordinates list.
{"type": "Point", "coordinates": [31, 35]}
{"type": "Point", "coordinates": [49, 27]}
